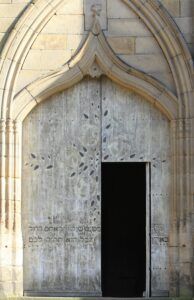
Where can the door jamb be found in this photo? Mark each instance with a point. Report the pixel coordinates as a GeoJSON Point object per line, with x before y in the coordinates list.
{"type": "Point", "coordinates": [148, 227]}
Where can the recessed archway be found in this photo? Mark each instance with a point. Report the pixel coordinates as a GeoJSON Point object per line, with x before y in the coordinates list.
{"type": "Point", "coordinates": [95, 121]}
{"type": "Point", "coordinates": [13, 112]}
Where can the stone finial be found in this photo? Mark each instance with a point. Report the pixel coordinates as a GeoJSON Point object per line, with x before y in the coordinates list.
{"type": "Point", "coordinates": [96, 10]}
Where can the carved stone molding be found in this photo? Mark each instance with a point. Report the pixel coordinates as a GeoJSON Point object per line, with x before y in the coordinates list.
{"type": "Point", "coordinates": [36, 16]}
{"type": "Point", "coordinates": [94, 58]}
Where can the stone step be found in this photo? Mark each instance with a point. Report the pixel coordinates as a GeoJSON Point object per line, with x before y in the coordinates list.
{"type": "Point", "coordinates": [91, 298]}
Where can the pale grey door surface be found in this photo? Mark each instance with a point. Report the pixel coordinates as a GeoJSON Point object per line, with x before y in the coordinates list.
{"type": "Point", "coordinates": [65, 138]}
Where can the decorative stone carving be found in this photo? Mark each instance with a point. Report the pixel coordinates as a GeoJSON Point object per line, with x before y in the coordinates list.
{"type": "Point", "coordinates": [95, 49]}
{"type": "Point", "coordinates": [97, 9]}
{"type": "Point", "coordinates": [95, 71]}
{"type": "Point", "coordinates": [14, 52]}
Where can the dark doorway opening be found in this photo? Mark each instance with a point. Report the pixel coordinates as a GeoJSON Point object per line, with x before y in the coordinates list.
{"type": "Point", "coordinates": [123, 229]}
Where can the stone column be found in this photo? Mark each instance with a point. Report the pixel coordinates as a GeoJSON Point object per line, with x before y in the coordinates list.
{"type": "Point", "coordinates": [184, 206]}
{"type": "Point", "coordinates": [10, 230]}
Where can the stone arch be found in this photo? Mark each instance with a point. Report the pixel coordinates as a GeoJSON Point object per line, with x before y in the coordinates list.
{"type": "Point", "coordinates": [14, 110]}
{"type": "Point", "coordinates": [18, 44]}
{"type": "Point", "coordinates": [95, 58]}
{"type": "Point", "coordinates": [151, 13]}
{"type": "Point", "coordinates": [170, 39]}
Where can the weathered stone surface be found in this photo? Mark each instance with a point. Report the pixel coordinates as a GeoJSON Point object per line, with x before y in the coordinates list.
{"type": "Point", "coordinates": [65, 24]}
{"type": "Point", "coordinates": [151, 63]}
{"type": "Point", "coordinates": [50, 41]}
{"type": "Point", "coordinates": [127, 27]}
{"type": "Point", "coordinates": [173, 6]}
{"type": "Point", "coordinates": [74, 7]}
{"type": "Point", "coordinates": [185, 24]}
{"type": "Point", "coordinates": [146, 45]}
{"type": "Point", "coordinates": [186, 8]}
{"type": "Point", "coordinates": [11, 11]}
{"type": "Point", "coordinates": [117, 9]}
{"type": "Point", "coordinates": [93, 8]}
{"type": "Point", "coordinates": [71, 13]}
{"type": "Point", "coordinates": [122, 45]}
{"type": "Point", "coordinates": [46, 59]}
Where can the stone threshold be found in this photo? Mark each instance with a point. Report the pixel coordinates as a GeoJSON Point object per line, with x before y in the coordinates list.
{"type": "Point", "coordinates": [93, 298]}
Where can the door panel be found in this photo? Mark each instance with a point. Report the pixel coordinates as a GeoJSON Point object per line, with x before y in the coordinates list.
{"type": "Point", "coordinates": [133, 130]}
{"type": "Point", "coordinates": [60, 195]}
{"type": "Point", "coordinates": [65, 139]}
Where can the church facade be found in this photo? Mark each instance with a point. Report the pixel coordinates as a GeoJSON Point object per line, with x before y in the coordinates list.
{"type": "Point", "coordinates": [97, 148]}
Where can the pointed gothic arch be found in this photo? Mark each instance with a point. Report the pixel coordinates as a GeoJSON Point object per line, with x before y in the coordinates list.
{"type": "Point", "coordinates": [95, 58]}
{"type": "Point", "coordinates": [151, 13]}
{"type": "Point", "coordinates": [178, 108]}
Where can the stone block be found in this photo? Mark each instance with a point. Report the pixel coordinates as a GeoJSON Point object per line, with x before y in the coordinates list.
{"type": "Point", "coordinates": [186, 8]}
{"type": "Point", "coordinates": [50, 42]}
{"type": "Point", "coordinates": [11, 288]}
{"type": "Point", "coordinates": [68, 24]}
{"type": "Point", "coordinates": [74, 7]}
{"type": "Point", "coordinates": [11, 11]}
{"type": "Point", "coordinates": [98, 6]}
{"type": "Point", "coordinates": [5, 24]}
{"type": "Point", "coordinates": [127, 27]}
{"type": "Point", "coordinates": [6, 257]}
{"type": "Point", "coordinates": [6, 288]}
{"type": "Point", "coordinates": [46, 59]}
{"type": "Point", "coordinates": [147, 45]}
{"type": "Point", "coordinates": [118, 9]}
{"type": "Point", "coordinates": [185, 24]}
{"type": "Point", "coordinates": [188, 38]}
{"type": "Point", "coordinates": [26, 77]}
{"type": "Point", "coordinates": [172, 6]}
{"type": "Point", "coordinates": [74, 41]}
{"type": "Point", "coordinates": [6, 274]}
{"type": "Point", "coordinates": [122, 45]}
{"type": "Point", "coordinates": [17, 273]}
{"type": "Point", "coordinates": [149, 63]}
{"type": "Point", "coordinates": [5, 241]}
{"type": "Point", "coordinates": [166, 78]}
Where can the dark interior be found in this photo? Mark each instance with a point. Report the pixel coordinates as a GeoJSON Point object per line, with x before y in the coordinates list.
{"type": "Point", "coordinates": [123, 229]}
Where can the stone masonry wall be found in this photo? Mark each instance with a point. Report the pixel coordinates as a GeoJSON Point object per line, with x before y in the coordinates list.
{"type": "Point", "coordinates": [130, 39]}
{"type": "Point", "coordinates": [66, 31]}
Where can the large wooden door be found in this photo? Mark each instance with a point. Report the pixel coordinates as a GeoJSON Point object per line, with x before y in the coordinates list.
{"type": "Point", "coordinates": [65, 139]}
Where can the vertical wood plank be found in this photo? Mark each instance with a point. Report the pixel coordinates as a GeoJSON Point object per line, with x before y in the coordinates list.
{"type": "Point", "coordinates": [133, 130]}
{"type": "Point", "coordinates": [61, 194]}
